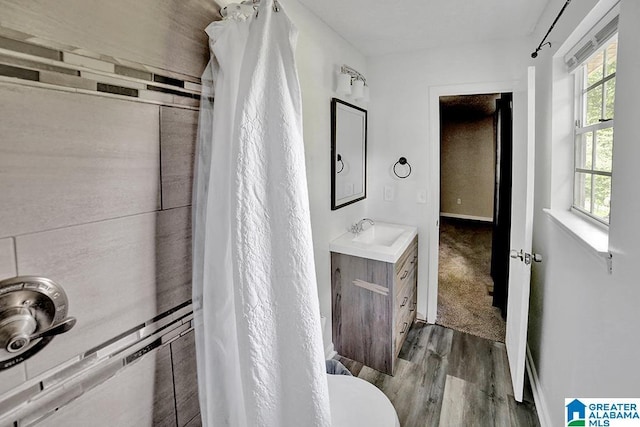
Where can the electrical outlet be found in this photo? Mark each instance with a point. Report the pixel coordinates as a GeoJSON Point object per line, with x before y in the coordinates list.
{"type": "Point", "coordinates": [459, 201]}
{"type": "Point", "coordinates": [388, 193]}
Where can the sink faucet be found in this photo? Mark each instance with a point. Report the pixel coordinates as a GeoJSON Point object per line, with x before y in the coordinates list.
{"type": "Point", "coordinates": [359, 226]}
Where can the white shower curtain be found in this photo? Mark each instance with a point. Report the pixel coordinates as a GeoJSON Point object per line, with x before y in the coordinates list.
{"type": "Point", "coordinates": [256, 315]}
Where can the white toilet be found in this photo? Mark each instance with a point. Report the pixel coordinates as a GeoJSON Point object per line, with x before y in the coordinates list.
{"type": "Point", "coordinates": [355, 402]}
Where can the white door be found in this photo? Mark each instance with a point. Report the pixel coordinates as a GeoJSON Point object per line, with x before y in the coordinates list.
{"type": "Point", "coordinates": [521, 230]}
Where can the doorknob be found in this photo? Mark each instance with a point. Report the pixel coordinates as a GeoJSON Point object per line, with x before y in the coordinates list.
{"type": "Point", "coordinates": [516, 254]}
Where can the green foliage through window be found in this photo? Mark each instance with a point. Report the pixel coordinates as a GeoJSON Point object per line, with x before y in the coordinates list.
{"type": "Point", "coordinates": [594, 133]}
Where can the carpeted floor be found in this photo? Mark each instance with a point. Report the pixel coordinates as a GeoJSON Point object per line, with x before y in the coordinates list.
{"type": "Point", "coordinates": [464, 280]}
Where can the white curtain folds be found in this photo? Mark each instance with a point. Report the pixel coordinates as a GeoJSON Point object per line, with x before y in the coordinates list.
{"type": "Point", "coordinates": [256, 315]}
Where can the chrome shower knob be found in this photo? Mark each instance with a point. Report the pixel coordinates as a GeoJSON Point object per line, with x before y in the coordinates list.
{"type": "Point", "coordinates": [17, 324]}
{"type": "Point", "coordinates": [32, 311]}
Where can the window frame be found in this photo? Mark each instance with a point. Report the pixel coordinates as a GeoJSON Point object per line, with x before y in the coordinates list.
{"type": "Point", "coordinates": [581, 94]}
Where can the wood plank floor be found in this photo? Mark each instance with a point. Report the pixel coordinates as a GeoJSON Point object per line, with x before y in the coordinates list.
{"type": "Point", "coordinates": [450, 378]}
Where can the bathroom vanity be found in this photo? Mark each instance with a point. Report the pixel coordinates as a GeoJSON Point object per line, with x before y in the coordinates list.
{"type": "Point", "coordinates": [373, 291]}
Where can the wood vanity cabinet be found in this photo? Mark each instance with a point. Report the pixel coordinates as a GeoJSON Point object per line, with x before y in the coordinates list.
{"type": "Point", "coordinates": [374, 305]}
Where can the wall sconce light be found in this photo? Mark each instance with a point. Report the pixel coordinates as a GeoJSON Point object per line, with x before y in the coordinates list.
{"type": "Point", "coordinates": [352, 83]}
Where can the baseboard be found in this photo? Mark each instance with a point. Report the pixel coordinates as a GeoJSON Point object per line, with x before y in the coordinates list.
{"type": "Point", "coordinates": [538, 395]}
{"type": "Point", "coordinates": [330, 352]}
{"type": "Point", "coordinates": [471, 217]}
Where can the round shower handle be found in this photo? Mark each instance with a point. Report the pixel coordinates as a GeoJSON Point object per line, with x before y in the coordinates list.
{"type": "Point", "coordinates": [33, 310]}
{"type": "Point", "coordinates": [18, 326]}
{"type": "Point", "coordinates": [57, 329]}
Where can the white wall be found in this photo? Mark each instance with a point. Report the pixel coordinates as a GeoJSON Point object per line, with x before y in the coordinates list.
{"type": "Point", "coordinates": [582, 320]}
{"type": "Point", "coordinates": [400, 125]}
{"type": "Point", "coordinates": [319, 55]}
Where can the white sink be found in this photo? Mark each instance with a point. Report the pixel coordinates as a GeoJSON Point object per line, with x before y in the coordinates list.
{"type": "Point", "coordinates": [382, 242]}
{"type": "Point", "coordinates": [379, 234]}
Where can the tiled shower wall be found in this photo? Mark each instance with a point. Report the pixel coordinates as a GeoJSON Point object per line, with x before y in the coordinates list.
{"type": "Point", "coordinates": [95, 194]}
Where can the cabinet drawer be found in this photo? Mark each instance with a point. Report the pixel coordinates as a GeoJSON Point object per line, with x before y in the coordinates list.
{"type": "Point", "coordinates": [408, 258]}
{"type": "Point", "coordinates": [406, 268]}
{"type": "Point", "coordinates": [404, 322]}
{"type": "Point", "coordinates": [402, 301]}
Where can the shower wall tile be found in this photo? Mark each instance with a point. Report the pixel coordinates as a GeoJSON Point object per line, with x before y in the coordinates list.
{"type": "Point", "coordinates": [133, 72]}
{"type": "Point", "coordinates": [21, 62]}
{"type": "Point", "coordinates": [158, 33]}
{"type": "Point", "coordinates": [183, 352]}
{"type": "Point", "coordinates": [168, 80]}
{"type": "Point", "coordinates": [11, 378]}
{"type": "Point", "coordinates": [151, 95]}
{"type": "Point", "coordinates": [94, 64]}
{"type": "Point", "coordinates": [193, 86]}
{"type": "Point", "coordinates": [69, 158]}
{"type": "Point", "coordinates": [113, 81]}
{"type": "Point", "coordinates": [178, 130]}
{"type": "Point", "coordinates": [67, 80]}
{"type": "Point", "coordinates": [188, 102]}
{"type": "Point", "coordinates": [111, 273]}
{"type": "Point", "coordinates": [173, 257]}
{"type": "Point", "coordinates": [140, 395]}
{"type": "Point", "coordinates": [20, 73]}
{"type": "Point", "coordinates": [117, 90]}
{"type": "Point", "coordinates": [15, 376]}
{"type": "Point", "coordinates": [7, 259]}
{"type": "Point", "coordinates": [164, 411]}
{"type": "Point", "coordinates": [18, 46]}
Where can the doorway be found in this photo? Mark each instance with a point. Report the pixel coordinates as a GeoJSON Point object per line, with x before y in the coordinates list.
{"type": "Point", "coordinates": [475, 159]}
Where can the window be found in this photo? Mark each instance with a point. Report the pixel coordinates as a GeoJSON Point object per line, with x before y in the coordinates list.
{"type": "Point", "coordinates": [595, 89]}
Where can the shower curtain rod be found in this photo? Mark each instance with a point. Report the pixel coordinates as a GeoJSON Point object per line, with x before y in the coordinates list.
{"type": "Point", "coordinates": [276, 6]}
{"type": "Point", "coordinates": [243, 8]}
{"type": "Point", "coordinates": [542, 43]}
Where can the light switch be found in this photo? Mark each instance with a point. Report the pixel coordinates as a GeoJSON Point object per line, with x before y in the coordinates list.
{"type": "Point", "coordinates": [421, 196]}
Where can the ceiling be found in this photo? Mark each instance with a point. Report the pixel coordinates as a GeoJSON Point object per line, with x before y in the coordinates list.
{"type": "Point", "coordinates": [378, 27]}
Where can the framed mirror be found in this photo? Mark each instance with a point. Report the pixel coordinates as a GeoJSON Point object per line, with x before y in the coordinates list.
{"type": "Point", "coordinates": [348, 154]}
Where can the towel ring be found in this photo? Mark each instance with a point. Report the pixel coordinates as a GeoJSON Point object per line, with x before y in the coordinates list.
{"type": "Point", "coordinates": [341, 163]}
{"type": "Point", "coordinates": [402, 161]}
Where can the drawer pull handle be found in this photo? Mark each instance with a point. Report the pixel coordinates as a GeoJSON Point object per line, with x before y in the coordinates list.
{"type": "Point", "coordinates": [413, 306]}
{"type": "Point", "coordinates": [405, 326]}
{"type": "Point", "coordinates": [404, 301]}
{"type": "Point", "coordinates": [405, 274]}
